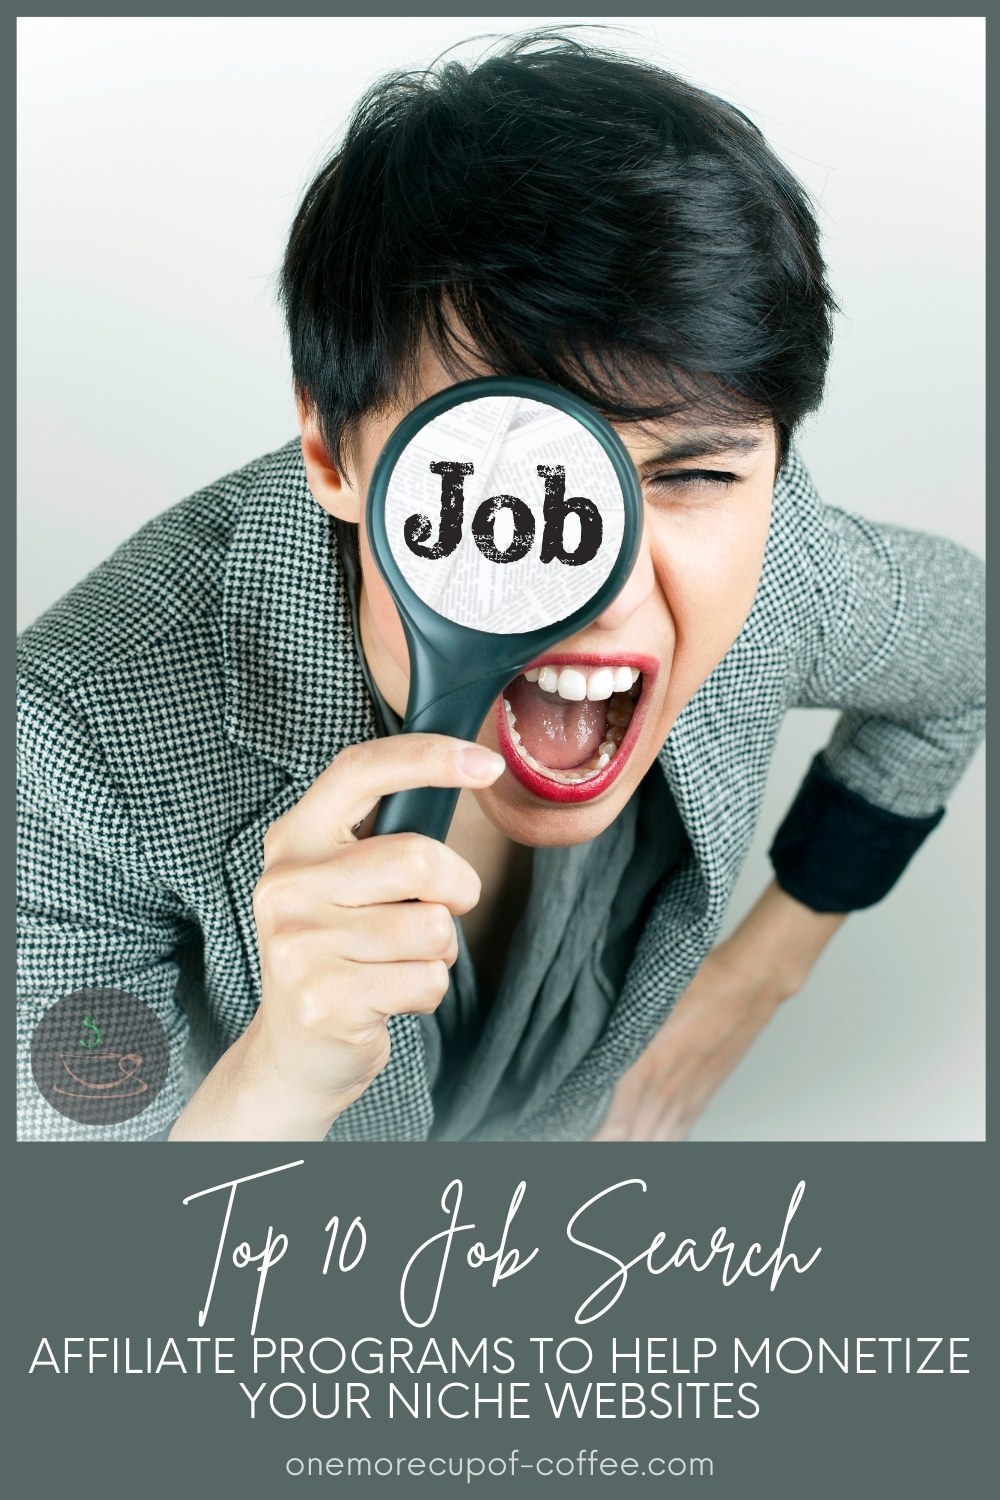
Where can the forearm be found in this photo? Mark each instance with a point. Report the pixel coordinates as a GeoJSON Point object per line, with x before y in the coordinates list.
{"type": "Point", "coordinates": [777, 943]}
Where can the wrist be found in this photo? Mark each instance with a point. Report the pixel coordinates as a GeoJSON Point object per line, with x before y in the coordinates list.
{"type": "Point", "coordinates": [284, 1092]}
{"type": "Point", "coordinates": [246, 1097]}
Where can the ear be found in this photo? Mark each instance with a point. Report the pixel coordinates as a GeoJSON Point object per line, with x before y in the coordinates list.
{"type": "Point", "coordinates": [330, 488]}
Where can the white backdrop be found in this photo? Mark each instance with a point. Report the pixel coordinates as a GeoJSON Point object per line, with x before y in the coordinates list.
{"type": "Point", "coordinates": [160, 164]}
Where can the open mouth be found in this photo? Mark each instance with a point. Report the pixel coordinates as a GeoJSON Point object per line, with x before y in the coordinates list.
{"type": "Point", "coordinates": [567, 725]}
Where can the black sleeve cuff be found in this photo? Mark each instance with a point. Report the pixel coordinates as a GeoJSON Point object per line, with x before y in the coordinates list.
{"type": "Point", "coordinates": [837, 852]}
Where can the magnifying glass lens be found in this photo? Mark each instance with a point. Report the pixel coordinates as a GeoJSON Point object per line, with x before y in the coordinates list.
{"type": "Point", "coordinates": [504, 514]}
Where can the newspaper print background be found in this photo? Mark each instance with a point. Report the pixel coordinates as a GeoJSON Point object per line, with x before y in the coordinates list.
{"type": "Point", "coordinates": [505, 438]}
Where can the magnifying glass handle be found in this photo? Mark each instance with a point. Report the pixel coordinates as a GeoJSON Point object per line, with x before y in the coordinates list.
{"type": "Point", "coordinates": [429, 809]}
{"type": "Point", "coordinates": [422, 809]}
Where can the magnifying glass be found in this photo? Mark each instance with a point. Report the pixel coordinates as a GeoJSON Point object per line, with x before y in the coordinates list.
{"type": "Point", "coordinates": [503, 514]}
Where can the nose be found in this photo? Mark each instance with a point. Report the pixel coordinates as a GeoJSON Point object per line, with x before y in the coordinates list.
{"type": "Point", "coordinates": [638, 587]}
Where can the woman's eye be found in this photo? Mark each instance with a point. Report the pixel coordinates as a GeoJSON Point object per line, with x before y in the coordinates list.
{"type": "Point", "coordinates": [703, 479]}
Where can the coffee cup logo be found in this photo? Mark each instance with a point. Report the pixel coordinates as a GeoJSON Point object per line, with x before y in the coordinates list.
{"type": "Point", "coordinates": [99, 1056]}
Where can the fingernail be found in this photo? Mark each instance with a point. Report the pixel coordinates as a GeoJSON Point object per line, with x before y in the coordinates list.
{"type": "Point", "coordinates": [476, 760]}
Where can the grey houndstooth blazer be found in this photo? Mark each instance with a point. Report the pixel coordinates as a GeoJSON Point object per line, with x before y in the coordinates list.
{"type": "Point", "coordinates": [188, 691]}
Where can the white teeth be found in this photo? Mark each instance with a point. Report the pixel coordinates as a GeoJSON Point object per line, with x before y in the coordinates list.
{"type": "Point", "coordinates": [512, 729]}
{"type": "Point", "coordinates": [600, 684]}
{"type": "Point", "coordinates": [603, 759]}
{"type": "Point", "coordinates": [572, 685]}
{"type": "Point", "coordinates": [606, 747]}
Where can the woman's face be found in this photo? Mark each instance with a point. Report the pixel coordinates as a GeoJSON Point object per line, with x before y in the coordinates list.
{"type": "Point", "coordinates": [580, 736]}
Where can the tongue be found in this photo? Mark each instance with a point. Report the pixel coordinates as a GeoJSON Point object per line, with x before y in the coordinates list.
{"type": "Point", "coordinates": [557, 733]}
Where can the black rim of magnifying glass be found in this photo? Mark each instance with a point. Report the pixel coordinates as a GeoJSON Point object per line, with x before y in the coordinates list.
{"type": "Point", "coordinates": [432, 626]}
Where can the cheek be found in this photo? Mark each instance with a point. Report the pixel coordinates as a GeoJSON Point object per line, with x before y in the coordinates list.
{"type": "Point", "coordinates": [383, 612]}
{"type": "Point", "coordinates": [709, 564]}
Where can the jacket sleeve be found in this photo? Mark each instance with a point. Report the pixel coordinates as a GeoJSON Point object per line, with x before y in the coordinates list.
{"type": "Point", "coordinates": [91, 916]}
{"type": "Point", "coordinates": [897, 645]}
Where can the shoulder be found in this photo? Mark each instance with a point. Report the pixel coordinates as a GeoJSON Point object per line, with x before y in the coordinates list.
{"type": "Point", "coordinates": [126, 685]}
{"type": "Point", "coordinates": [814, 547]}
{"type": "Point", "coordinates": [209, 660]}
{"type": "Point", "coordinates": [784, 622]}
{"type": "Point", "coordinates": [160, 586]}
{"type": "Point", "coordinates": [846, 598]}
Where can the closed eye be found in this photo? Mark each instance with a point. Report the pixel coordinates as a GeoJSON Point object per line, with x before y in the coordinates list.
{"type": "Point", "coordinates": [699, 477]}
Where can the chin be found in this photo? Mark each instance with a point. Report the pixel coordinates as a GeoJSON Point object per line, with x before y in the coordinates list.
{"type": "Point", "coordinates": [518, 815]}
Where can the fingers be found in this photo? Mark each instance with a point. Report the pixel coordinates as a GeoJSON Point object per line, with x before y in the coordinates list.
{"type": "Point", "coordinates": [330, 997]}
{"type": "Point", "coordinates": [420, 931]}
{"type": "Point", "coordinates": [415, 931]}
{"type": "Point", "coordinates": [395, 868]}
{"type": "Point", "coordinates": [617, 1122]}
{"type": "Point", "coordinates": [344, 794]}
{"type": "Point", "coordinates": [645, 1107]}
{"type": "Point", "coordinates": [645, 1120]}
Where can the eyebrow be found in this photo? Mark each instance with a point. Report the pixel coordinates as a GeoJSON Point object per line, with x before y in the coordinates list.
{"type": "Point", "coordinates": [709, 443]}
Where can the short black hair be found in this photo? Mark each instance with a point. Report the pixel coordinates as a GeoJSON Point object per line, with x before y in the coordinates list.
{"type": "Point", "coordinates": [574, 214]}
